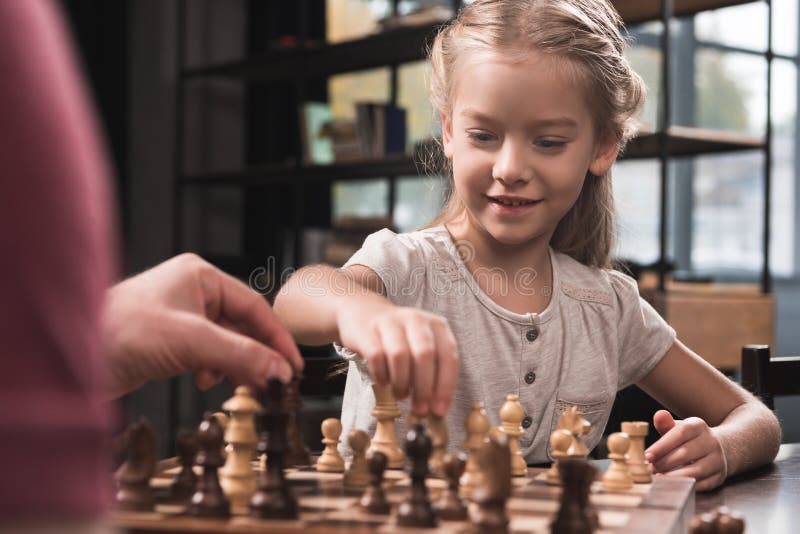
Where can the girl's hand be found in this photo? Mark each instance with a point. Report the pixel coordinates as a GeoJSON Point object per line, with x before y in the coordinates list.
{"type": "Point", "coordinates": [411, 349]}
{"type": "Point", "coordinates": [687, 448]}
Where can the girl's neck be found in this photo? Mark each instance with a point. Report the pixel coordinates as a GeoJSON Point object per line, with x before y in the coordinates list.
{"type": "Point", "coordinates": [485, 252]}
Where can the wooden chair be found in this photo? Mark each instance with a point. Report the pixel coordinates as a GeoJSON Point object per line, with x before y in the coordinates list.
{"type": "Point", "coordinates": [768, 377]}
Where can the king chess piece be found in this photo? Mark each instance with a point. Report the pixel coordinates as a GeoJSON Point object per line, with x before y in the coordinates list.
{"type": "Point", "coordinates": [133, 476]}
{"type": "Point", "coordinates": [274, 498]}
{"type": "Point", "coordinates": [417, 511]}
{"type": "Point", "coordinates": [237, 476]}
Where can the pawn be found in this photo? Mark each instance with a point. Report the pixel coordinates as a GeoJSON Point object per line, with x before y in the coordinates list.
{"type": "Point", "coordinates": [133, 476]}
{"type": "Point", "coordinates": [184, 483]}
{"type": "Point", "coordinates": [331, 461]}
{"type": "Point", "coordinates": [374, 499]}
{"type": "Point", "coordinates": [617, 476]}
{"type": "Point", "coordinates": [477, 427]}
{"type": "Point", "coordinates": [560, 440]}
{"type": "Point", "coordinates": [357, 475]}
{"type": "Point", "coordinates": [450, 505]}
{"type": "Point", "coordinates": [208, 500]}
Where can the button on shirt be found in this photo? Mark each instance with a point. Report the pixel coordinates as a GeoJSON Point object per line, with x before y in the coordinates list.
{"type": "Point", "coordinates": [595, 337]}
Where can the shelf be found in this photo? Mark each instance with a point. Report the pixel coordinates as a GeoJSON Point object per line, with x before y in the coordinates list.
{"type": "Point", "coordinates": [395, 165]}
{"type": "Point", "coordinates": [637, 11]}
{"type": "Point", "coordinates": [393, 47]}
{"type": "Point", "coordinates": [686, 141]}
{"type": "Point", "coordinates": [683, 141]}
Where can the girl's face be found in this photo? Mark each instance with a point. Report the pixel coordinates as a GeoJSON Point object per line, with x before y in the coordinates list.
{"type": "Point", "coordinates": [520, 138]}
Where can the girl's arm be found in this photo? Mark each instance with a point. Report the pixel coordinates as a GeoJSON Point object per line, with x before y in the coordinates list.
{"type": "Point", "coordinates": [411, 349]}
{"type": "Point", "coordinates": [726, 430]}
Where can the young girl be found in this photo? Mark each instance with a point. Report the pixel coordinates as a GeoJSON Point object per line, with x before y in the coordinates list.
{"type": "Point", "coordinates": [510, 291]}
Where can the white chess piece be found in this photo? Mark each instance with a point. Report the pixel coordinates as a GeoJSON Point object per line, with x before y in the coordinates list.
{"type": "Point", "coordinates": [617, 477]}
{"type": "Point", "coordinates": [237, 478]}
{"type": "Point", "coordinates": [331, 461]}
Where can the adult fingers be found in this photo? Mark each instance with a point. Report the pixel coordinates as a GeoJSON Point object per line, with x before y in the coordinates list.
{"type": "Point", "coordinates": [207, 345]}
{"type": "Point", "coordinates": [207, 379]}
{"type": "Point", "coordinates": [447, 360]}
{"type": "Point", "coordinates": [395, 345]}
{"type": "Point", "coordinates": [422, 343]}
{"type": "Point", "coordinates": [226, 298]}
{"type": "Point", "coordinates": [674, 438]}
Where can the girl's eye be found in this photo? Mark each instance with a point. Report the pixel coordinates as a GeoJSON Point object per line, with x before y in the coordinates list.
{"type": "Point", "coordinates": [481, 137]}
{"type": "Point", "coordinates": [548, 143]}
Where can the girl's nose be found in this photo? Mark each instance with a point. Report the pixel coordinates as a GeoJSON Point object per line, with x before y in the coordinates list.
{"type": "Point", "coordinates": [511, 166]}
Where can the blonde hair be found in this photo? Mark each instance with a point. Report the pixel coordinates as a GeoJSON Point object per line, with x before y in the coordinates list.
{"type": "Point", "coordinates": [587, 34]}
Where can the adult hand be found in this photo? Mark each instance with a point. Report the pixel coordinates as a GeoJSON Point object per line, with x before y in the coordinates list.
{"type": "Point", "coordinates": [186, 315]}
{"type": "Point", "coordinates": [687, 448]}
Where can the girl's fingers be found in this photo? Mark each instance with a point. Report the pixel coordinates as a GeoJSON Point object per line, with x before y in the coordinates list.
{"type": "Point", "coordinates": [395, 346]}
{"type": "Point", "coordinates": [674, 438]}
{"type": "Point", "coordinates": [447, 360]}
{"type": "Point", "coordinates": [687, 452]}
{"type": "Point", "coordinates": [370, 348]}
{"type": "Point", "coordinates": [423, 353]}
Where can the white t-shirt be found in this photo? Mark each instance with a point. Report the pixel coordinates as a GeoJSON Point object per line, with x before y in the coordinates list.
{"type": "Point", "coordinates": [596, 336]}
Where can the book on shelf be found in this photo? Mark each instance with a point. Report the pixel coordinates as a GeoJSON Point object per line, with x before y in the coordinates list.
{"type": "Point", "coordinates": [317, 149]}
{"type": "Point", "coordinates": [381, 129]}
{"type": "Point", "coordinates": [377, 130]}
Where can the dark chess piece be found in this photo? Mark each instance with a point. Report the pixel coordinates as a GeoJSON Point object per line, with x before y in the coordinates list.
{"type": "Point", "coordinates": [726, 521]}
{"type": "Point", "coordinates": [208, 500]}
{"type": "Point", "coordinates": [576, 515]}
{"type": "Point", "coordinates": [184, 483]}
{"type": "Point", "coordinates": [274, 498]}
{"type": "Point", "coordinates": [450, 505]}
{"type": "Point", "coordinates": [297, 453]}
{"type": "Point", "coordinates": [133, 476]}
{"type": "Point", "coordinates": [374, 499]}
{"type": "Point", "coordinates": [487, 512]}
{"type": "Point", "coordinates": [416, 510]}
{"type": "Point", "coordinates": [702, 524]}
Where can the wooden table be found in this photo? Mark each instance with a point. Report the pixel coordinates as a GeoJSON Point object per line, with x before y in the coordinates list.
{"type": "Point", "coordinates": [768, 498]}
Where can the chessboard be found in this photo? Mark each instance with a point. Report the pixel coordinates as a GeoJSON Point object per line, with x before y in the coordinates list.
{"type": "Point", "coordinates": [665, 506]}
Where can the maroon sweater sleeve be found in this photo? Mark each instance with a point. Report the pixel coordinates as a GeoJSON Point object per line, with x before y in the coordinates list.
{"type": "Point", "coordinates": [55, 263]}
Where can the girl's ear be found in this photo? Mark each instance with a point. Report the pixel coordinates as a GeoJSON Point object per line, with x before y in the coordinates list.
{"type": "Point", "coordinates": [447, 135]}
{"type": "Point", "coordinates": [605, 155]}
